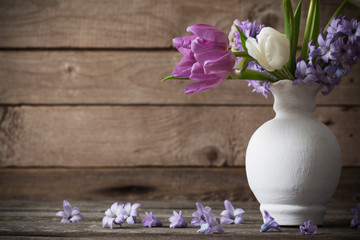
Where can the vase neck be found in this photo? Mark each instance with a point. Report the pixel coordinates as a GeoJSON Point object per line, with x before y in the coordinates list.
{"type": "Point", "coordinates": [294, 99]}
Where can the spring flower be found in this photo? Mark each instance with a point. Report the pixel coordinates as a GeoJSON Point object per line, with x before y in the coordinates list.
{"type": "Point", "coordinates": [130, 212]}
{"type": "Point", "coordinates": [269, 223]}
{"type": "Point", "coordinates": [272, 49]}
{"type": "Point", "coordinates": [151, 221]}
{"type": "Point", "coordinates": [210, 224]}
{"type": "Point", "coordinates": [114, 214]}
{"type": "Point", "coordinates": [70, 214]}
{"type": "Point", "coordinates": [231, 215]}
{"type": "Point", "coordinates": [309, 228]}
{"type": "Point", "coordinates": [199, 217]}
{"type": "Point", "coordinates": [177, 220]}
{"type": "Point", "coordinates": [207, 58]}
{"type": "Point", "coordinates": [262, 87]}
{"type": "Point", "coordinates": [305, 73]}
{"type": "Point", "coordinates": [355, 222]}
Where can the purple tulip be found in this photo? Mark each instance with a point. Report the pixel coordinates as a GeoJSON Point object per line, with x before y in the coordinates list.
{"type": "Point", "coordinates": [207, 58]}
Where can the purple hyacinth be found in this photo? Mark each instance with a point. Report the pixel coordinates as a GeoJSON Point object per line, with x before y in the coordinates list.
{"type": "Point", "coordinates": [262, 87]}
{"type": "Point", "coordinates": [309, 228]}
{"type": "Point", "coordinates": [114, 214]}
{"type": "Point", "coordinates": [231, 215]}
{"type": "Point", "coordinates": [70, 214]}
{"type": "Point", "coordinates": [210, 225]}
{"type": "Point", "coordinates": [151, 221]}
{"type": "Point", "coordinates": [199, 217]}
{"type": "Point", "coordinates": [269, 223]}
{"type": "Point", "coordinates": [355, 222]}
{"type": "Point", "coordinates": [305, 73]}
{"type": "Point", "coordinates": [177, 220]}
{"type": "Point", "coordinates": [337, 52]}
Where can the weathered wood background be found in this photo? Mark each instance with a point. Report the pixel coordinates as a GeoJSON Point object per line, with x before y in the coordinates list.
{"type": "Point", "coordinates": [81, 103]}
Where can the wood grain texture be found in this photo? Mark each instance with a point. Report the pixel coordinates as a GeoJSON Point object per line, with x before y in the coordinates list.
{"type": "Point", "coordinates": [128, 23]}
{"type": "Point", "coordinates": [135, 184]}
{"type": "Point", "coordinates": [85, 136]}
{"type": "Point", "coordinates": [125, 77]}
{"type": "Point", "coordinates": [36, 220]}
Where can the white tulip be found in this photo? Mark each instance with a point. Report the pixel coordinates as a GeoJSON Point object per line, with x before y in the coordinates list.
{"type": "Point", "coordinates": [272, 49]}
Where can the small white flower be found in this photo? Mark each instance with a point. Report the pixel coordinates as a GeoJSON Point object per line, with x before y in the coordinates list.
{"type": "Point", "coordinates": [271, 50]}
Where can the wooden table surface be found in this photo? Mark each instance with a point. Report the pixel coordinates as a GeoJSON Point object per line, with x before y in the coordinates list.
{"type": "Point", "coordinates": [21, 219]}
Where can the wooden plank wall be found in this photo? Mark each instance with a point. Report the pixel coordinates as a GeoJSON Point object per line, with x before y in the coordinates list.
{"type": "Point", "coordinates": [80, 89]}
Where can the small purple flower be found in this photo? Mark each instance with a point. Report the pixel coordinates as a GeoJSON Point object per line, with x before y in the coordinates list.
{"type": "Point", "coordinates": [309, 228]}
{"type": "Point", "coordinates": [199, 217]}
{"type": "Point", "coordinates": [114, 214]}
{"type": "Point", "coordinates": [338, 27]}
{"type": "Point", "coordinates": [151, 221]}
{"type": "Point", "coordinates": [305, 73]}
{"type": "Point", "coordinates": [210, 225]}
{"type": "Point", "coordinates": [324, 47]}
{"type": "Point", "coordinates": [70, 214]}
{"type": "Point", "coordinates": [262, 87]}
{"type": "Point", "coordinates": [354, 31]}
{"type": "Point", "coordinates": [130, 212]}
{"type": "Point", "coordinates": [207, 58]}
{"type": "Point", "coordinates": [269, 223]}
{"type": "Point", "coordinates": [231, 215]}
{"type": "Point", "coordinates": [355, 222]}
{"type": "Point", "coordinates": [177, 220]}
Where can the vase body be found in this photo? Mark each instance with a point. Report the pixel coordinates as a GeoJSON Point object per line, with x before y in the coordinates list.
{"type": "Point", "coordinates": [293, 162]}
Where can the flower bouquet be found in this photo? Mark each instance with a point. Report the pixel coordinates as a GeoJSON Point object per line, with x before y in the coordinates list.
{"type": "Point", "coordinates": [293, 161]}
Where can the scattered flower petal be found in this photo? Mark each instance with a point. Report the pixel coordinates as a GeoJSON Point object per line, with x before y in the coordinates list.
{"type": "Point", "coordinates": [269, 223]}
{"type": "Point", "coordinates": [151, 221]}
{"type": "Point", "coordinates": [231, 215]}
{"type": "Point", "coordinates": [199, 217]}
{"type": "Point", "coordinates": [114, 214]}
{"type": "Point", "coordinates": [70, 214]}
{"type": "Point", "coordinates": [355, 222]}
{"type": "Point", "coordinates": [210, 225]}
{"type": "Point", "coordinates": [309, 228]}
{"type": "Point", "coordinates": [177, 221]}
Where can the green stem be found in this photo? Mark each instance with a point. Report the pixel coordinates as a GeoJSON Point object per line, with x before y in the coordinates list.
{"type": "Point", "coordinates": [288, 73]}
{"type": "Point", "coordinates": [307, 33]}
{"type": "Point", "coordinates": [241, 54]}
{"type": "Point", "coordinates": [336, 14]}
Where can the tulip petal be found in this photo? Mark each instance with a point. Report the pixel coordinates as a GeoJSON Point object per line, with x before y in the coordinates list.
{"type": "Point", "coordinates": [208, 32]}
{"type": "Point", "coordinates": [199, 86]}
{"type": "Point", "coordinates": [205, 50]}
{"type": "Point", "coordinates": [277, 51]}
{"type": "Point", "coordinates": [253, 48]}
{"type": "Point", "coordinates": [183, 42]}
{"type": "Point", "coordinates": [183, 69]}
{"type": "Point", "coordinates": [224, 63]}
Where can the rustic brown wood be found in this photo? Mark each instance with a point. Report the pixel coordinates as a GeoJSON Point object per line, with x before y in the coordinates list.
{"type": "Point", "coordinates": [133, 184]}
{"type": "Point", "coordinates": [130, 24]}
{"type": "Point", "coordinates": [124, 77]}
{"type": "Point", "coordinates": [148, 135]}
{"type": "Point", "coordinates": [37, 220]}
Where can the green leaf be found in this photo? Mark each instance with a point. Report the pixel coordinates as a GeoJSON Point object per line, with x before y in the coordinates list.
{"type": "Point", "coordinates": [315, 26]}
{"type": "Point", "coordinates": [245, 65]}
{"type": "Point", "coordinates": [242, 37]}
{"type": "Point", "coordinates": [336, 13]}
{"type": "Point", "coordinates": [297, 19]}
{"type": "Point", "coordinates": [308, 27]}
{"type": "Point", "coordinates": [241, 54]}
{"type": "Point", "coordinates": [287, 20]}
{"type": "Point", "coordinates": [293, 44]}
{"type": "Point", "coordinates": [255, 75]}
{"type": "Point", "coordinates": [173, 78]}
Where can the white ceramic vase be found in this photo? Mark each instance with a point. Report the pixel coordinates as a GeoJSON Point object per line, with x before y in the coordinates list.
{"type": "Point", "coordinates": [293, 162]}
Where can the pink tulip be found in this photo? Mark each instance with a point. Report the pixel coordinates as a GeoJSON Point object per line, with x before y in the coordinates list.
{"type": "Point", "coordinates": [207, 58]}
